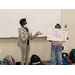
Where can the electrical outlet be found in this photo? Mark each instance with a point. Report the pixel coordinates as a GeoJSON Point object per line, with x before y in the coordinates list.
{"type": "Point", "coordinates": [65, 26]}
{"type": "Point", "coordinates": [65, 47]}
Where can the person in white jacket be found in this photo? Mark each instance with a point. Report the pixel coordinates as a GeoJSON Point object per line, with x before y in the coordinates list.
{"type": "Point", "coordinates": [24, 40]}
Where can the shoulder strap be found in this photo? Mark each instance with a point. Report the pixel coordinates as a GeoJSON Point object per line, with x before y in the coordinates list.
{"type": "Point", "coordinates": [13, 61]}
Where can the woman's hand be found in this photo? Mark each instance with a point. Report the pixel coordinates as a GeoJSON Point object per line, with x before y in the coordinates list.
{"type": "Point", "coordinates": [39, 33]}
{"type": "Point", "coordinates": [28, 35]}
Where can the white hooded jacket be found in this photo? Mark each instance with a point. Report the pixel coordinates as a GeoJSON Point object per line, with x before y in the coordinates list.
{"type": "Point", "coordinates": [23, 37]}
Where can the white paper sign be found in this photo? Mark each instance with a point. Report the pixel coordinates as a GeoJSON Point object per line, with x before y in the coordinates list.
{"type": "Point", "coordinates": [57, 34]}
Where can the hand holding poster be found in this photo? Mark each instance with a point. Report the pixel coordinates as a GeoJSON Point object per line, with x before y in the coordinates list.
{"type": "Point", "coordinates": [57, 34]}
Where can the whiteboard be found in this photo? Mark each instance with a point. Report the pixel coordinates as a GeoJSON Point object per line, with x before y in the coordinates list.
{"type": "Point", "coordinates": [37, 20]}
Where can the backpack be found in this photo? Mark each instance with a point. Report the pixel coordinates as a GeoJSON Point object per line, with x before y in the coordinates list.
{"type": "Point", "coordinates": [64, 62]}
{"type": "Point", "coordinates": [1, 63]}
{"type": "Point", "coordinates": [65, 58]}
{"type": "Point", "coordinates": [72, 55]}
{"type": "Point", "coordinates": [35, 60]}
{"type": "Point", "coordinates": [64, 54]}
{"type": "Point", "coordinates": [8, 60]}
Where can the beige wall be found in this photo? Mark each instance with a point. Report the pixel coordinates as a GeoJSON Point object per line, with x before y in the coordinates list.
{"type": "Point", "coordinates": [40, 46]}
{"type": "Point", "coordinates": [68, 18]}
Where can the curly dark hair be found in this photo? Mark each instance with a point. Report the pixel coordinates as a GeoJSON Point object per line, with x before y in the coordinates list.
{"type": "Point", "coordinates": [22, 20]}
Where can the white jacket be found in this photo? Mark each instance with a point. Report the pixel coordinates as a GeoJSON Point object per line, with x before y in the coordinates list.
{"type": "Point", "coordinates": [23, 37]}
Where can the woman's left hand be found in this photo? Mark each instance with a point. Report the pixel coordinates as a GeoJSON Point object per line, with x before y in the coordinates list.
{"type": "Point", "coordinates": [39, 33]}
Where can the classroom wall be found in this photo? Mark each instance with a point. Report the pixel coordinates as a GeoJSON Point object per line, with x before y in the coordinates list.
{"type": "Point", "coordinates": [68, 18]}
{"type": "Point", "coordinates": [40, 46]}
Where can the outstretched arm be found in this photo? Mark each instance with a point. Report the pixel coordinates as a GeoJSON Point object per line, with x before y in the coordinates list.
{"type": "Point", "coordinates": [34, 36]}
